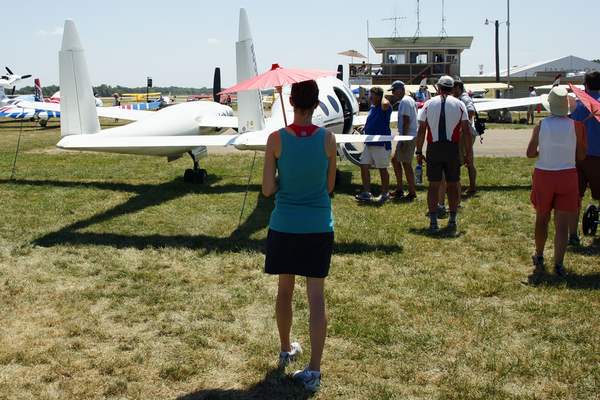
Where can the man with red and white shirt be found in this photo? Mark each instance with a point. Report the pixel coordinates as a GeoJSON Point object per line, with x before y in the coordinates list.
{"type": "Point", "coordinates": [443, 119]}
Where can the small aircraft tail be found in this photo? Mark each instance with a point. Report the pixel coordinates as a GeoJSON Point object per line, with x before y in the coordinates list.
{"type": "Point", "coordinates": [556, 80]}
{"type": "Point", "coordinates": [251, 116]}
{"type": "Point", "coordinates": [77, 106]}
{"type": "Point", "coordinates": [37, 90]}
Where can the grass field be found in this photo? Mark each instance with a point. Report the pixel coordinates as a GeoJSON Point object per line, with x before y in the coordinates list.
{"type": "Point", "coordinates": [119, 281]}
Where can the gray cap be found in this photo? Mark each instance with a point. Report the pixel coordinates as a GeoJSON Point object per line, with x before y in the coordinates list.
{"type": "Point", "coordinates": [396, 85]}
{"type": "Point", "coordinates": [446, 82]}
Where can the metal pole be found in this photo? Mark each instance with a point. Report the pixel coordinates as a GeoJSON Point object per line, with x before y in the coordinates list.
{"type": "Point", "coordinates": [508, 47]}
{"type": "Point", "coordinates": [497, 53]}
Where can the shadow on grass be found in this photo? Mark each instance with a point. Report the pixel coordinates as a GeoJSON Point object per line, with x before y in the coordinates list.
{"type": "Point", "coordinates": [593, 249]}
{"type": "Point", "coordinates": [443, 233]}
{"type": "Point", "coordinates": [275, 385]}
{"type": "Point", "coordinates": [154, 195]}
{"type": "Point", "coordinates": [571, 281]}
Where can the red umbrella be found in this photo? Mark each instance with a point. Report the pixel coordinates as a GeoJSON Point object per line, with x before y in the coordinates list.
{"type": "Point", "coordinates": [588, 101]}
{"type": "Point", "coordinates": [277, 77]}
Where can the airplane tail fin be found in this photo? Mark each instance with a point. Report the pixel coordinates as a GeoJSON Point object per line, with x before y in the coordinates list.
{"type": "Point", "coordinates": [77, 106]}
{"type": "Point", "coordinates": [37, 90]}
{"type": "Point", "coordinates": [251, 116]}
{"type": "Point", "coordinates": [556, 80]}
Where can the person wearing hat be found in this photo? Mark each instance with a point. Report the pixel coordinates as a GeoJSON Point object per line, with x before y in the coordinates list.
{"type": "Point", "coordinates": [443, 118]}
{"type": "Point", "coordinates": [116, 103]}
{"type": "Point", "coordinates": [588, 169]}
{"type": "Point", "coordinates": [555, 141]}
{"type": "Point", "coordinates": [422, 94]}
{"type": "Point", "coordinates": [531, 108]}
{"type": "Point", "coordinates": [405, 151]}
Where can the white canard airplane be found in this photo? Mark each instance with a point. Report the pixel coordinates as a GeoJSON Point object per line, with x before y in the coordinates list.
{"type": "Point", "coordinates": [190, 127]}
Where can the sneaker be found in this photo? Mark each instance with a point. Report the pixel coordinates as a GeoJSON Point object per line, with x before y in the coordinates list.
{"type": "Point", "coordinates": [364, 196]}
{"type": "Point", "coordinates": [310, 379]}
{"type": "Point", "coordinates": [288, 357]}
{"type": "Point", "coordinates": [441, 209]}
{"type": "Point", "coordinates": [452, 225]}
{"type": "Point", "coordinates": [538, 261]}
{"type": "Point", "coordinates": [397, 193]}
{"type": "Point", "coordinates": [383, 197]}
{"type": "Point", "coordinates": [560, 270]}
{"type": "Point", "coordinates": [459, 207]}
{"type": "Point", "coordinates": [410, 197]}
{"type": "Point", "coordinates": [575, 241]}
{"type": "Point", "coordinates": [434, 227]}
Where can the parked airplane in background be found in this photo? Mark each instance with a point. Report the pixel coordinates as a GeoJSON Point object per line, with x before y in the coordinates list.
{"type": "Point", "coordinates": [190, 127]}
{"type": "Point", "coordinates": [141, 96]}
{"type": "Point", "coordinates": [11, 79]}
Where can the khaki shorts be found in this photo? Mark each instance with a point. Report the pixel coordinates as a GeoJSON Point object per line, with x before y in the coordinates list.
{"type": "Point", "coordinates": [408, 155]}
{"type": "Point", "coordinates": [463, 150]}
{"type": "Point", "coordinates": [376, 156]}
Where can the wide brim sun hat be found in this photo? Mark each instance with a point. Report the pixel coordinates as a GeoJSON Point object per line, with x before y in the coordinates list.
{"type": "Point", "coordinates": [558, 102]}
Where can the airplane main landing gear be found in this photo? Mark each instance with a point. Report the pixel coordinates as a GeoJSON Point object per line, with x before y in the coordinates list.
{"type": "Point", "coordinates": [589, 221]}
{"type": "Point", "coordinates": [195, 175]}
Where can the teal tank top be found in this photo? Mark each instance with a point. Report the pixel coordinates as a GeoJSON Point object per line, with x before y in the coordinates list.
{"type": "Point", "coordinates": [302, 203]}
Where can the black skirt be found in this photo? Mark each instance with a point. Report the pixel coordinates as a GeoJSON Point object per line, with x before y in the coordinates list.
{"type": "Point", "coordinates": [304, 254]}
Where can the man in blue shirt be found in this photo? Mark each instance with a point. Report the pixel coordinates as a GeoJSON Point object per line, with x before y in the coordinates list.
{"type": "Point", "coordinates": [376, 154]}
{"type": "Point", "coordinates": [588, 170]}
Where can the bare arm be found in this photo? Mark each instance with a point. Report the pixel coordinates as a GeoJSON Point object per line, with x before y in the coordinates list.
{"type": "Point", "coordinates": [331, 151]}
{"type": "Point", "coordinates": [532, 147]}
{"type": "Point", "coordinates": [385, 104]}
{"type": "Point", "coordinates": [421, 140]}
{"type": "Point", "coordinates": [467, 142]}
{"type": "Point", "coordinates": [272, 153]}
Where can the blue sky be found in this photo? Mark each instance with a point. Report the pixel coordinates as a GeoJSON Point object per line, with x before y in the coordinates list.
{"type": "Point", "coordinates": [180, 43]}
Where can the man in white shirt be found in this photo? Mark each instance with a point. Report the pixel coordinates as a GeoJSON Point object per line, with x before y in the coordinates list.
{"type": "Point", "coordinates": [443, 118]}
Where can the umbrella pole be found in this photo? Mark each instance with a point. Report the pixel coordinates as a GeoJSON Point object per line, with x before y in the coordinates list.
{"type": "Point", "coordinates": [282, 105]}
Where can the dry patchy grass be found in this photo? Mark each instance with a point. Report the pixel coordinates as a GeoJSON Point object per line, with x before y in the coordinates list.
{"type": "Point", "coordinates": [119, 281]}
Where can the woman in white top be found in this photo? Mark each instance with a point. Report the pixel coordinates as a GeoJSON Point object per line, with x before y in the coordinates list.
{"type": "Point", "coordinates": [555, 142]}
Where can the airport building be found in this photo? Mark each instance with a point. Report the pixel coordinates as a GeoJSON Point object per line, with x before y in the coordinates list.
{"type": "Point", "coordinates": [537, 74]}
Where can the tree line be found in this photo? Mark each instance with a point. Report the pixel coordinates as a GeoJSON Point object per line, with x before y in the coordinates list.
{"type": "Point", "coordinates": [108, 91]}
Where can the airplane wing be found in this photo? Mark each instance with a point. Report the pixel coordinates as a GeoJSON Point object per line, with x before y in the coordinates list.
{"type": "Point", "coordinates": [109, 112]}
{"type": "Point", "coordinates": [168, 145]}
{"type": "Point", "coordinates": [359, 120]}
{"type": "Point", "coordinates": [496, 104]}
{"type": "Point", "coordinates": [484, 87]}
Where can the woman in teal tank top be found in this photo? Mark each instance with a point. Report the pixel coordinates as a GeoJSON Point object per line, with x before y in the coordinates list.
{"type": "Point", "coordinates": [300, 167]}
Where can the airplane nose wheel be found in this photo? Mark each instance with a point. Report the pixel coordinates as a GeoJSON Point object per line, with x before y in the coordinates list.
{"type": "Point", "coordinates": [589, 221]}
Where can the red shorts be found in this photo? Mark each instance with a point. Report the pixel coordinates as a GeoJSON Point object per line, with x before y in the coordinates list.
{"type": "Point", "coordinates": [555, 190]}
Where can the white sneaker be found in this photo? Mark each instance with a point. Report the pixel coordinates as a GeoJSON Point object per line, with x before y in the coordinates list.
{"type": "Point", "coordinates": [383, 197]}
{"type": "Point", "coordinates": [441, 209]}
{"type": "Point", "coordinates": [364, 196]}
{"type": "Point", "coordinates": [288, 357]}
{"type": "Point", "coordinates": [310, 379]}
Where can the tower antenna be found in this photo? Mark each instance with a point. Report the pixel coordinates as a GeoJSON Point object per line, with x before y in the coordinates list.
{"type": "Point", "coordinates": [395, 33]}
{"type": "Point", "coordinates": [443, 31]}
{"type": "Point", "coordinates": [418, 32]}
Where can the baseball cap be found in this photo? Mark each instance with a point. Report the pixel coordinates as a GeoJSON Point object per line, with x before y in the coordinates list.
{"type": "Point", "coordinates": [396, 85]}
{"type": "Point", "coordinates": [446, 82]}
